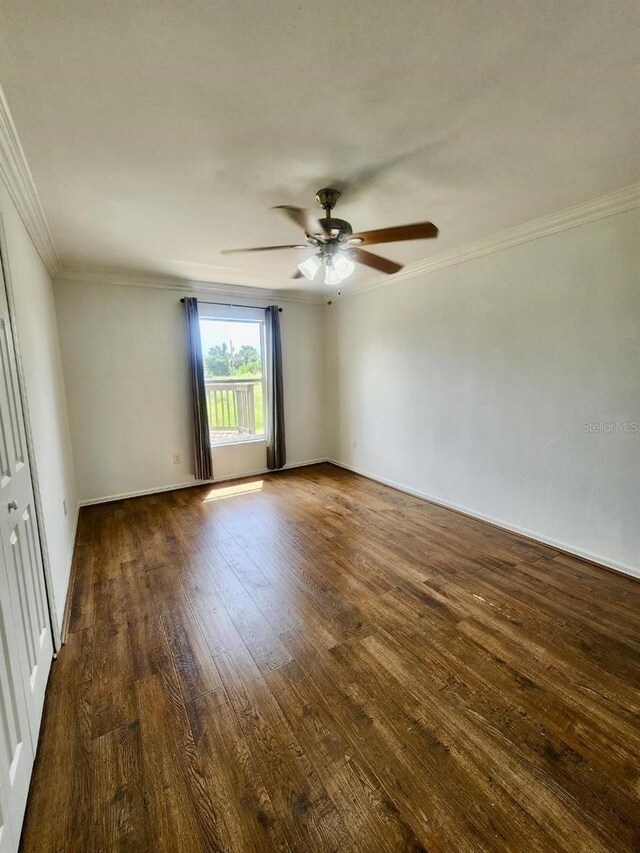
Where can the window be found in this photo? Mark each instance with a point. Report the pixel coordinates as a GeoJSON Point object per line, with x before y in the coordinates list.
{"type": "Point", "coordinates": [234, 374]}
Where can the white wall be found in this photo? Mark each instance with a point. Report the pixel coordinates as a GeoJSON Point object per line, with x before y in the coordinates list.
{"type": "Point", "coordinates": [471, 385]}
{"type": "Point", "coordinates": [38, 341]}
{"type": "Point", "coordinates": [123, 350]}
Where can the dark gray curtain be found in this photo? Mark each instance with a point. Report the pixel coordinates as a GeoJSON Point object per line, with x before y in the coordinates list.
{"type": "Point", "coordinates": [276, 453]}
{"type": "Point", "coordinates": [203, 467]}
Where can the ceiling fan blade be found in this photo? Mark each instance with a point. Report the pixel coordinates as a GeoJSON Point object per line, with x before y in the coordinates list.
{"type": "Point", "coordinates": [304, 218]}
{"type": "Point", "coordinates": [375, 261]}
{"type": "Point", "coordinates": [263, 249]}
{"type": "Point", "coordinates": [417, 231]}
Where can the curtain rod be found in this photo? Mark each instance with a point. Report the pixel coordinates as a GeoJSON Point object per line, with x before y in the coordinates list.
{"type": "Point", "coordinates": [232, 305]}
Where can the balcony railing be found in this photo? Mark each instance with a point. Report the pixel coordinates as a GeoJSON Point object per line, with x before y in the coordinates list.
{"type": "Point", "coordinates": [231, 405]}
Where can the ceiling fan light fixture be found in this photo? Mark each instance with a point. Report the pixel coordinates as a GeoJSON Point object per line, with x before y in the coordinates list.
{"type": "Point", "coordinates": [310, 267]}
{"type": "Point", "coordinates": [338, 268]}
{"type": "Point", "coordinates": [332, 276]}
{"type": "Point", "coordinates": [343, 266]}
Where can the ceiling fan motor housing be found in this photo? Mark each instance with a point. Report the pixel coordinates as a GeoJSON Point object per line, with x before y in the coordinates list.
{"type": "Point", "coordinates": [331, 226]}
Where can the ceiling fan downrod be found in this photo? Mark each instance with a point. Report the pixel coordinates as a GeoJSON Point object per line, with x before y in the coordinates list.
{"type": "Point", "coordinates": [338, 230]}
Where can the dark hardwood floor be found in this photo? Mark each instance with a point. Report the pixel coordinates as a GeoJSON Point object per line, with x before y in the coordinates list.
{"type": "Point", "coordinates": [314, 661]}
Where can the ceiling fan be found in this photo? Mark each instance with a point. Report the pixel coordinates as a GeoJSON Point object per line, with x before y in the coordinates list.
{"type": "Point", "coordinates": [336, 244]}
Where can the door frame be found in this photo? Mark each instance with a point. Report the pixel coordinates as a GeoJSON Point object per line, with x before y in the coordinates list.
{"type": "Point", "coordinates": [37, 496]}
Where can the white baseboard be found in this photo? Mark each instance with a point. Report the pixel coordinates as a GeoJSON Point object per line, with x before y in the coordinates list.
{"type": "Point", "coordinates": [66, 610]}
{"type": "Point", "coordinates": [584, 554]}
{"type": "Point", "coordinates": [598, 559]}
{"type": "Point", "coordinates": [175, 486]}
{"type": "Point", "coordinates": [120, 496]}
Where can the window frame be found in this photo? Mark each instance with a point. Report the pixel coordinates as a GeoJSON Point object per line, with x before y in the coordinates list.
{"type": "Point", "coordinates": [256, 316]}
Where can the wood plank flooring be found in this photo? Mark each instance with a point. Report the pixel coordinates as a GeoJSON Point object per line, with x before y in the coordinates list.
{"type": "Point", "coordinates": [315, 662]}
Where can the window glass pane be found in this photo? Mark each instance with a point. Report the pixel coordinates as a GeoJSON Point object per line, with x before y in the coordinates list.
{"type": "Point", "coordinates": [234, 378]}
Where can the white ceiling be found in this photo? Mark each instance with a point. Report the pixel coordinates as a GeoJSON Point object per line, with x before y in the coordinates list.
{"type": "Point", "coordinates": [160, 133]}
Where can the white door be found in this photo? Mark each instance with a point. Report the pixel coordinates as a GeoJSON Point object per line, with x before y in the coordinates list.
{"type": "Point", "coordinates": [26, 645]}
{"type": "Point", "coordinates": [16, 751]}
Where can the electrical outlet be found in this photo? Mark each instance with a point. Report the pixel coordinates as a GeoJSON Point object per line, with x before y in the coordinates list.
{"type": "Point", "coordinates": [354, 444]}
{"type": "Point", "coordinates": [177, 458]}
{"type": "Point", "coordinates": [64, 507]}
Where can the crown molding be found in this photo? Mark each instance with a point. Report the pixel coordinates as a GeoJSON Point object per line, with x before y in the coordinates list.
{"type": "Point", "coordinates": [618, 201]}
{"type": "Point", "coordinates": [17, 178]}
{"type": "Point", "coordinates": [601, 207]}
{"type": "Point", "coordinates": [156, 281]}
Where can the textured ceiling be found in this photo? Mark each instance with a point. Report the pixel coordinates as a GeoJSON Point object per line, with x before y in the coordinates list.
{"type": "Point", "coordinates": [160, 133]}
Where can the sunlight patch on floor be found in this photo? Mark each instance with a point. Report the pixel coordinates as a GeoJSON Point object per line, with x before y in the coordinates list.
{"type": "Point", "coordinates": [221, 492]}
